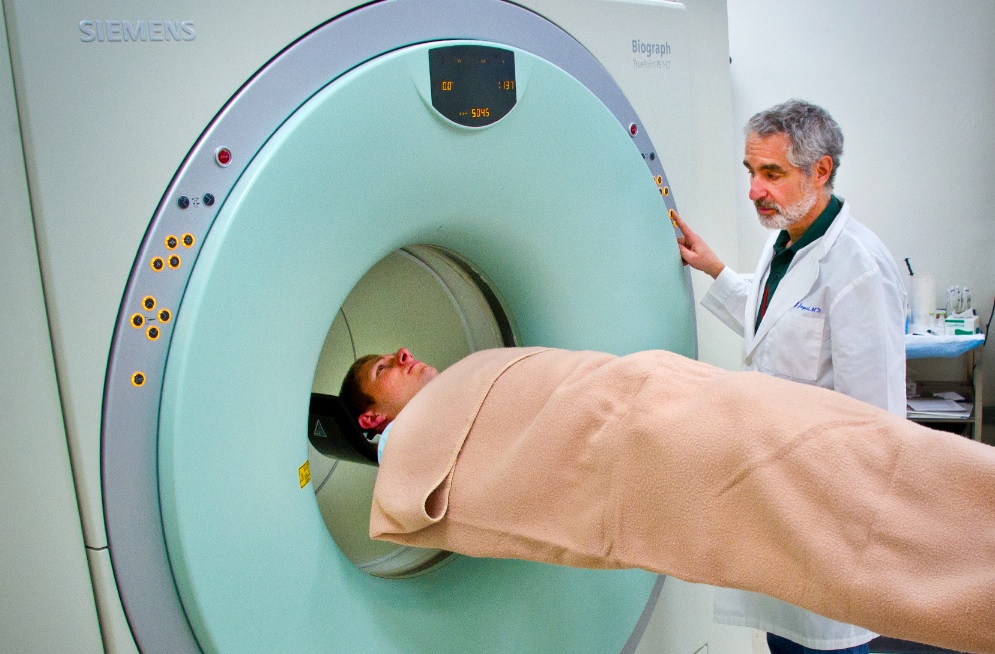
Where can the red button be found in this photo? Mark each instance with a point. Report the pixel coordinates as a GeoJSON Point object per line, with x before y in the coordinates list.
{"type": "Point", "coordinates": [223, 157]}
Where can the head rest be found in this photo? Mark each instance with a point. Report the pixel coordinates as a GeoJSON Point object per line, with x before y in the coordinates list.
{"type": "Point", "coordinates": [333, 432]}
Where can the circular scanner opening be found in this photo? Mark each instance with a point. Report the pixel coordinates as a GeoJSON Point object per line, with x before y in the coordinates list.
{"type": "Point", "coordinates": [439, 306]}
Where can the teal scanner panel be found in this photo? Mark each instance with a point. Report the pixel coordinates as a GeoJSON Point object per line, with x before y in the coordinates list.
{"type": "Point", "coordinates": [553, 203]}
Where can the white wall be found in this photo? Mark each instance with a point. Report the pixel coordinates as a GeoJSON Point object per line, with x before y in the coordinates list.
{"type": "Point", "coordinates": [912, 84]}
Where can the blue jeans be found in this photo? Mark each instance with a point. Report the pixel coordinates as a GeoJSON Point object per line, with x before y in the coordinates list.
{"type": "Point", "coordinates": [780, 645]}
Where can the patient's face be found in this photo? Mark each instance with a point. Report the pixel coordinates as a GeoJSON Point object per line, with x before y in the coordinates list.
{"type": "Point", "coordinates": [393, 379]}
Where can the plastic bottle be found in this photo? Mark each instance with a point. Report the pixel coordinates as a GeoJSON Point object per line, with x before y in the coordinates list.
{"type": "Point", "coordinates": [953, 300]}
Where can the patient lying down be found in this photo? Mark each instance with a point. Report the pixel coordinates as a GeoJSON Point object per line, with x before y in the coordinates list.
{"type": "Point", "coordinates": [664, 463]}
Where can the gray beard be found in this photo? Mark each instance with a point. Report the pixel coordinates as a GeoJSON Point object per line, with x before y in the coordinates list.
{"type": "Point", "coordinates": [787, 216]}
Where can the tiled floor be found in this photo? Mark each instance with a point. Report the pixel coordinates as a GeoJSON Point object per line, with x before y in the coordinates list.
{"type": "Point", "coordinates": [724, 639]}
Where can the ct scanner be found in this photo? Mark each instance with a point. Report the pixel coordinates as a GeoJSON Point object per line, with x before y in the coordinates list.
{"type": "Point", "coordinates": [213, 211]}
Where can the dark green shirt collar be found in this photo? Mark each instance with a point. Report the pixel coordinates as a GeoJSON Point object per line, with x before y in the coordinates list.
{"type": "Point", "coordinates": [816, 230]}
{"type": "Point", "coordinates": [783, 255]}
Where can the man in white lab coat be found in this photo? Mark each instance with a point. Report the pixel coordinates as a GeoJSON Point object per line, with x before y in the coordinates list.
{"type": "Point", "coordinates": [825, 306]}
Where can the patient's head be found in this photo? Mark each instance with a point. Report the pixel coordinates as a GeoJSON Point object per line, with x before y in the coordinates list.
{"type": "Point", "coordinates": [378, 386]}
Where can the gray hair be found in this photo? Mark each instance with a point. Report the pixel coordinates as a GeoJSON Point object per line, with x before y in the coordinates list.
{"type": "Point", "coordinates": [812, 133]}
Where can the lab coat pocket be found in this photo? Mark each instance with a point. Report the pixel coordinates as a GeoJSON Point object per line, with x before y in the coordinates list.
{"type": "Point", "coordinates": [794, 346]}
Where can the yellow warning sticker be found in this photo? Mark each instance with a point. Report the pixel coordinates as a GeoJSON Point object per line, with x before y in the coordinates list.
{"type": "Point", "coordinates": [304, 472]}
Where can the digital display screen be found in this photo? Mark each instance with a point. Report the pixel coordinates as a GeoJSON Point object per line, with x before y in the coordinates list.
{"type": "Point", "coordinates": [472, 85]}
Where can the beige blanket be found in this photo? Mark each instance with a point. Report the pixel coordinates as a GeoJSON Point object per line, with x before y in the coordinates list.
{"type": "Point", "coordinates": [733, 479]}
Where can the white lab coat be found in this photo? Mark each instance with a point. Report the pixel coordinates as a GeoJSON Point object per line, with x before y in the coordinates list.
{"type": "Point", "coordinates": [837, 320]}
